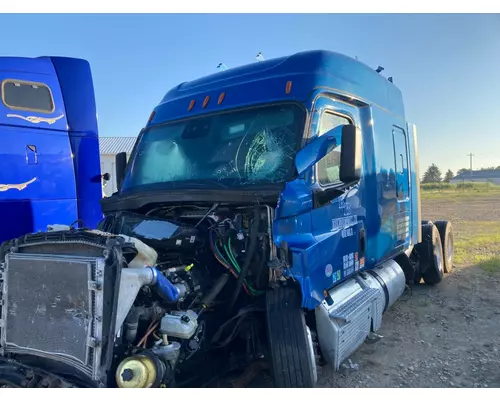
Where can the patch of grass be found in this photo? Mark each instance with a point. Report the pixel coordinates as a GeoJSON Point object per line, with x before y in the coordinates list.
{"type": "Point", "coordinates": [460, 187]}
{"type": "Point", "coordinates": [479, 242]}
{"type": "Point", "coordinates": [491, 265]}
{"type": "Point", "coordinates": [458, 196]}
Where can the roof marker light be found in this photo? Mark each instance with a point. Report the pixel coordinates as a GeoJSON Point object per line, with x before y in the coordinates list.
{"type": "Point", "coordinates": [205, 102]}
{"type": "Point", "coordinates": [288, 88]}
{"type": "Point", "coordinates": [221, 98]}
{"type": "Point", "coordinates": [191, 105]}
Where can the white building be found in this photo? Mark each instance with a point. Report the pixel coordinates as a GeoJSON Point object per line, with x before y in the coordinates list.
{"type": "Point", "coordinates": [109, 147]}
{"type": "Point", "coordinates": [491, 176]}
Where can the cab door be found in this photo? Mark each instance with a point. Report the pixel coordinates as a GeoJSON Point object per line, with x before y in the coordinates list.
{"type": "Point", "coordinates": [338, 216]}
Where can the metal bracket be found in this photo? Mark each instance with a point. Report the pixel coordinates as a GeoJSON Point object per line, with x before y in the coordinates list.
{"type": "Point", "coordinates": [93, 342]}
{"type": "Point", "coordinates": [95, 286]}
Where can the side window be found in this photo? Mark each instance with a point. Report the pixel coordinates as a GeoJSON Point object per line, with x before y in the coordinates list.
{"type": "Point", "coordinates": [401, 163]}
{"type": "Point", "coordinates": [30, 96]}
{"type": "Point", "coordinates": [329, 166]}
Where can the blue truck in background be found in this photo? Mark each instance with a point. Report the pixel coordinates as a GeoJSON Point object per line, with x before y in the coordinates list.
{"type": "Point", "coordinates": [49, 148]}
{"type": "Point", "coordinates": [268, 215]}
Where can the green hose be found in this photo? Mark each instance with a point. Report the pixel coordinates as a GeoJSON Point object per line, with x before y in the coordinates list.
{"type": "Point", "coordinates": [230, 254]}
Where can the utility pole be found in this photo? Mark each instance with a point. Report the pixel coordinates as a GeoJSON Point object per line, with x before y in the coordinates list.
{"type": "Point", "coordinates": [470, 156]}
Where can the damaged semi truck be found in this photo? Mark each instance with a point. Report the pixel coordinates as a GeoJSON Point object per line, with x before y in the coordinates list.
{"type": "Point", "coordinates": [268, 213]}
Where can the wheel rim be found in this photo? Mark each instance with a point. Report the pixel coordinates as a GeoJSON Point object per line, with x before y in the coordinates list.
{"type": "Point", "coordinates": [311, 354]}
{"type": "Point", "coordinates": [438, 250]}
{"type": "Point", "coordinates": [449, 250]}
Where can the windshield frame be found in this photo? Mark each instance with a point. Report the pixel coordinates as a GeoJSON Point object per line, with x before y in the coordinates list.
{"type": "Point", "coordinates": [302, 139]}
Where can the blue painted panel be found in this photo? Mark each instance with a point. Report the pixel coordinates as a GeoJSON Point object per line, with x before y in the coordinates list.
{"type": "Point", "coordinates": [329, 69]}
{"type": "Point", "coordinates": [47, 165]}
{"type": "Point", "coordinates": [26, 216]}
{"type": "Point", "coordinates": [242, 95]}
{"type": "Point", "coordinates": [77, 89]}
{"type": "Point", "coordinates": [52, 173]}
{"type": "Point", "coordinates": [87, 169]}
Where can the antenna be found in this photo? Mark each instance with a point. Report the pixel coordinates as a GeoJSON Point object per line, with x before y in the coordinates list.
{"type": "Point", "coordinates": [260, 57]}
{"type": "Point", "coordinates": [222, 66]}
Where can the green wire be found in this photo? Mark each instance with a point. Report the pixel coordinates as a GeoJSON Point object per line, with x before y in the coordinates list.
{"type": "Point", "coordinates": [231, 257]}
{"type": "Point", "coordinates": [237, 267]}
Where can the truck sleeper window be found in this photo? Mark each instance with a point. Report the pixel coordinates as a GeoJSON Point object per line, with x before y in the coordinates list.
{"type": "Point", "coordinates": [329, 166]}
{"type": "Point", "coordinates": [29, 96]}
{"type": "Point", "coordinates": [244, 147]}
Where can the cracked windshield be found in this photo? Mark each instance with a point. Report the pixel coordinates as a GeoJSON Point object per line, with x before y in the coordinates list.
{"type": "Point", "coordinates": [234, 149]}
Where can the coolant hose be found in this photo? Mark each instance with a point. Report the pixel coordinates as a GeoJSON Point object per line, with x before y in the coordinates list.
{"type": "Point", "coordinates": [132, 323]}
{"type": "Point", "coordinates": [214, 292]}
{"type": "Point", "coordinates": [165, 289]}
{"type": "Point", "coordinates": [251, 250]}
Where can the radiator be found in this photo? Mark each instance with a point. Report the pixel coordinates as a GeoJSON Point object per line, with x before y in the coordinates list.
{"type": "Point", "coordinates": [52, 308]}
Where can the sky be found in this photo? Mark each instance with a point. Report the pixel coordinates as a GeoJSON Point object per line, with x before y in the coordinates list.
{"type": "Point", "coordinates": [447, 66]}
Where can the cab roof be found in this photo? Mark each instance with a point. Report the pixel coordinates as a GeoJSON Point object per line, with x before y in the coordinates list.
{"type": "Point", "coordinates": [307, 70]}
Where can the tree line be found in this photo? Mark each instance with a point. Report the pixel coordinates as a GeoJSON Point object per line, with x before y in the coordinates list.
{"type": "Point", "coordinates": [433, 174]}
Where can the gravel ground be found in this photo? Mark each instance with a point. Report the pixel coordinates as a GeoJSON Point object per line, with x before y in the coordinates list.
{"type": "Point", "coordinates": [442, 336]}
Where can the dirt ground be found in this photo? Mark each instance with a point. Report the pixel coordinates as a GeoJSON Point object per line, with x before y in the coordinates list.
{"type": "Point", "coordinates": [447, 335]}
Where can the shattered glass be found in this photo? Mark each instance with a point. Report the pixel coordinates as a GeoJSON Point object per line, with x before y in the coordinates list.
{"type": "Point", "coordinates": [244, 147]}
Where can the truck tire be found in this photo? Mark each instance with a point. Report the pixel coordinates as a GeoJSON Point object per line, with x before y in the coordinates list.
{"type": "Point", "coordinates": [447, 241]}
{"type": "Point", "coordinates": [290, 345]}
{"type": "Point", "coordinates": [431, 255]}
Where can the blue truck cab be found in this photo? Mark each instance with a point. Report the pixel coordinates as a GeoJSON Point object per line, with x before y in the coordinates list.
{"type": "Point", "coordinates": [321, 140]}
{"type": "Point", "coordinates": [49, 152]}
{"type": "Point", "coordinates": [267, 212]}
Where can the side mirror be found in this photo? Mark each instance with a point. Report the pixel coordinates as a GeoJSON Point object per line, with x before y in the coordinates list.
{"type": "Point", "coordinates": [120, 165]}
{"type": "Point", "coordinates": [106, 176]}
{"type": "Point", "coordinates": [351, 154]}
{"type": "Point", "coordinates": [347, 136]}
{"type": "Point", "coordinates": [319, 147]}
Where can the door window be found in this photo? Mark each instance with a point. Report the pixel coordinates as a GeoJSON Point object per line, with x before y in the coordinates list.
{"type": "Point", "coordinates": [329, 166]}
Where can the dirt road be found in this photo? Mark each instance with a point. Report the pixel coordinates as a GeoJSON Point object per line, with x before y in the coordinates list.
{"type": "Point", "coordinates": [447, 335]}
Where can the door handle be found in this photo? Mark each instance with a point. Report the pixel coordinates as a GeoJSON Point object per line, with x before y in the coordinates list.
{"type": "Point", "coordinates": [31, 154]}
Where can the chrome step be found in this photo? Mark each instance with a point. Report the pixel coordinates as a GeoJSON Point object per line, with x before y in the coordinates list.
{"type": "Point", "coordinates": [344, 325]}
{"type": "Point", "coordinates": [348, 309]}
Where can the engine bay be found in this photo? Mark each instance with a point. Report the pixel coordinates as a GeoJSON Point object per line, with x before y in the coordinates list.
{"type": "Point", "coordinates": [173, 298]}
